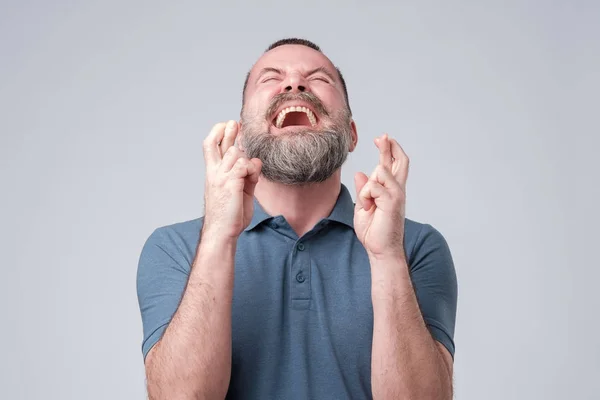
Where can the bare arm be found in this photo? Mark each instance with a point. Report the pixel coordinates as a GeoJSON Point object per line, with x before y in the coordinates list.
{"type": "Point", "coordinates": [193, 358]}
{"type": "Point", "coordinates": [406, 361]}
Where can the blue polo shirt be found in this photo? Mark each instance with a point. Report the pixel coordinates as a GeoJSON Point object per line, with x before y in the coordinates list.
{"type": "Point", "coordinates": [302, 317]}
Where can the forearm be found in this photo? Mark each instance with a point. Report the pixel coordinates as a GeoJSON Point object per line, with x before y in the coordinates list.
{"type": "Point", "coordinates": [193, 358]}
{"type": "Point", "coordinates": [406, 362]}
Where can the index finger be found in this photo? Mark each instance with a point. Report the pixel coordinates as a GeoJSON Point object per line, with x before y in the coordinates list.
{"type": "Point", "coordinates": [212, 154]}
{"type": "Point", "coordinates": [231, 130]}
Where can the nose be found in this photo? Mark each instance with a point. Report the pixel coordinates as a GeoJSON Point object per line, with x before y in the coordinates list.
{"type": "Point", "coordinates": [294, 83]}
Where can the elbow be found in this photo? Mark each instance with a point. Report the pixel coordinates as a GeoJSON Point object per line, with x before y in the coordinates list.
{"type": "Point", "coordinates": [415, 390]}
{"type": "Point", "coordinates": [438, 389]}
{"type": "Point", "coordinates": [426, 394]}
{"type": "Point", "coordinates": [164, 387]}
{"type": "Point", "coordinates": [169, 382]}
{"type": "Point", "coordinates": [432, 392]}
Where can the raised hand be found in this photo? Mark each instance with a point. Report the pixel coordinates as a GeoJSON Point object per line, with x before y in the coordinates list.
{"type": "Point", "coordinates": [380, 202]}
{"type": "Point", "coordinates": [230, 181]}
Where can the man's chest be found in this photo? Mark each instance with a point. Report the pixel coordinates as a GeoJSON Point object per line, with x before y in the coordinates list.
{"type": "Point", "coordinates": [302, 312]}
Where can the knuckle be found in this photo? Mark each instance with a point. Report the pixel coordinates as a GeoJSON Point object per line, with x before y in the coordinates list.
{"type": "Point", "coordinates": [241, 162]}
{"type": "Point", "coordinates": [230, 152]}
{"type": "Point", "coordinates": [365, 188]}
{"type": "Point", "coordinates": [381, 171]}
{"type": "Point", "coordinates": [236, 165]}
{"type": "Point", "coordinates": [235, 153]}
{"type": "Point", "coordinates": [239, 153]}
{"type": "Point", "coordinates": [238, 169]}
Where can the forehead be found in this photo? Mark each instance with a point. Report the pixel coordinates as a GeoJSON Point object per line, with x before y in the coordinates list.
{"type": "Point", "coordinates": [292, 58]}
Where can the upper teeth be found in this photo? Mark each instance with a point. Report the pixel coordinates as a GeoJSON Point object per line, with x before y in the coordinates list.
{"type": "Point", "coordinates": [281, 116]}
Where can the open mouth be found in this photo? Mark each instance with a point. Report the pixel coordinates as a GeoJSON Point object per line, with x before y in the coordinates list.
{"type": "Point", "coordinates": [295, 116]}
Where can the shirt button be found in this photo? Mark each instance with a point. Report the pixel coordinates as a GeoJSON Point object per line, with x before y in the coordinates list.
{"type": "Point", "coordinates": [301, 246]}
{"type": "Point", "coordinates": [300, 278]}
{"type": "Point", "coordinates": [274, 225]}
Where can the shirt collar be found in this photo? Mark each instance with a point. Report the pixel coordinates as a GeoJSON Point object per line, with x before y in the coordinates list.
{"type": "Point", "coordinates": [258, 217]}
{"type": "Point", "coordinates": [342, 212]}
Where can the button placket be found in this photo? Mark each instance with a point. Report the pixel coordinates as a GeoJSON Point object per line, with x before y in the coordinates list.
{"type": "Point", "coordinates": [300, 276]}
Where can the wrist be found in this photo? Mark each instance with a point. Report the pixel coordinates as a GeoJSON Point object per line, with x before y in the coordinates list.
{"type": "Point", "coordinates": [215, 258]}
{"type": "Point", "coordinates": [389, 275]}
{"type": "Point", "coordinates": [215, 239]}
{"type": "Point", "coordinates": [390, 257]}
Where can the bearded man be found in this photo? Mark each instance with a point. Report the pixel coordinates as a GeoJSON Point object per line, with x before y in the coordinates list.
{"type": "Point", "coordinates": [286, 288]}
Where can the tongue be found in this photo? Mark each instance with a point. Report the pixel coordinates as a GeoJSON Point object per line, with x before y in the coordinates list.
{"type": "Point", "coordinates": [296, 118]}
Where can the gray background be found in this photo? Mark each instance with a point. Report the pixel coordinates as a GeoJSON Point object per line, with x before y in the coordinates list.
{"type": "Point", "coordinates": [104, 106]}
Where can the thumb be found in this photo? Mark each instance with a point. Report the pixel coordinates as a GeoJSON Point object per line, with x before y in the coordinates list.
{"type": "Point", "coordinates": [360, 180]}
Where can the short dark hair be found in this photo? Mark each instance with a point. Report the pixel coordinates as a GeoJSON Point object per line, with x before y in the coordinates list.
{"type": "Point", "coordinates": [301, 42]}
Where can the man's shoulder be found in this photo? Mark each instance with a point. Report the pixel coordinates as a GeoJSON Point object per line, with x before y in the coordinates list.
{"type": "Point", "coordinates": [183, 228]}
{"type": "Point", "coordinates": [421, 237]}
{"type": "Point", "coordinates": [413, 228]}
{"type": "Point", "coordinates": [180, 237]}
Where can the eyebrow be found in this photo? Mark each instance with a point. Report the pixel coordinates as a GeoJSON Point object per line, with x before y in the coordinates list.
{"type": "Point", "coordinates": [322, 70]}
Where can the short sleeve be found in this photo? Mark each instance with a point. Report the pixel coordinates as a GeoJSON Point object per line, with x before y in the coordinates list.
{"type": "Point", "coordinates": [161, 279]}
{"type": "Point", "coordinates": [435, 283]}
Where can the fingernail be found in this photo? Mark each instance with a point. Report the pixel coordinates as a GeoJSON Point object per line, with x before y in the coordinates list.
{"type": "Point", "coordinates": [230, 125]}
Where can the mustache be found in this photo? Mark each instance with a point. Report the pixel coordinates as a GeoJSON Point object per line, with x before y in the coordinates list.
{"type": "Point", "coordinates": [306, 97]}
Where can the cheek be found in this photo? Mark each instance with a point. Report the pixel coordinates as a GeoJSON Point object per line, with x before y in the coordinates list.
{"type": "Point", "coordinates": [252, 109]}
{"type": "Point", "coordinates": [330, 97]}
{"type": "Point", "coordinates": [260, 101]}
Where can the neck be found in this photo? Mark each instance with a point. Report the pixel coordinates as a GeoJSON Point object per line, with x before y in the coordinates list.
{"type": "Point", "coordinates": [301, 206]}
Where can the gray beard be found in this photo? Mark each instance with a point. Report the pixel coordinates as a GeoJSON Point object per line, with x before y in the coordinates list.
{"type": "Point", "coordinates": [300, 157]}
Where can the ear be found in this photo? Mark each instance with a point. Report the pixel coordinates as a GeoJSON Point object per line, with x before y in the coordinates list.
{"type": "Point", "coordinates": [354, 136]}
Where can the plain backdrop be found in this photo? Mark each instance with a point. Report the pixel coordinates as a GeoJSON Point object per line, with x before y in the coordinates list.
{"type": "Point", "coordinates": [104, 106]}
